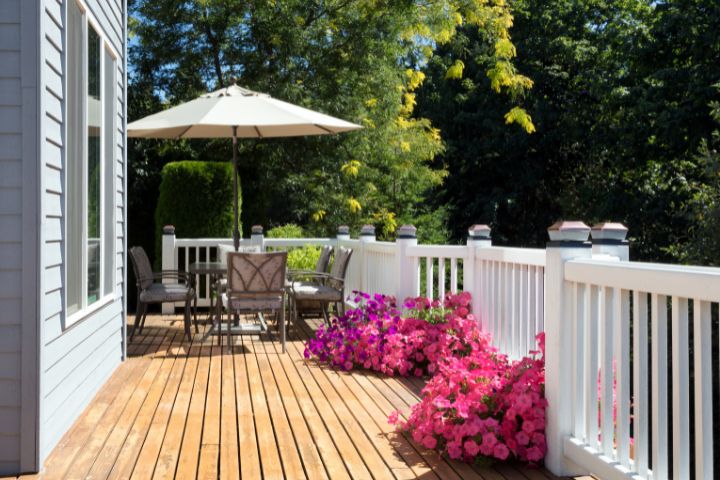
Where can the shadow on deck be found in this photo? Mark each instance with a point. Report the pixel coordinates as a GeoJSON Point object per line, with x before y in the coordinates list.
{"type": "Point", "coordinates": [193, 410]}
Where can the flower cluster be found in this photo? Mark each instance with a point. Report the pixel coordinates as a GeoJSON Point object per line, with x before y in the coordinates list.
{"type": "Point", "coordinates": [377, 336]}
{"type": "Point", "coordinates": [477, 405]}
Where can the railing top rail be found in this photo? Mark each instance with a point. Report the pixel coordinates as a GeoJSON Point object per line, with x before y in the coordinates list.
{"type": "Point", "coordinates": [207, 242]}
{"type": "Point", "coordinates": [701, 283]}
{"type": "Point", "coordinates": [380, 247]}
{"type": "Point", "coordinates": [525, 256]}
{"type": "Point", "coordinates": [444, 251]}
{"type": "Point", "coordinates": [297, 242]}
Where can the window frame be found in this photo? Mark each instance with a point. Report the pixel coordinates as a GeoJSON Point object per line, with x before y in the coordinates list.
{"type": "Point", "coordinates": [107, 212]}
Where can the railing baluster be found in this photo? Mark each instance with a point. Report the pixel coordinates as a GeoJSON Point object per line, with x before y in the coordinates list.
{"type": "Point", "coordinates": [454, 275]}
{"type": "Point", "coordinates": [429, 277]}
{"type": "Point", "coordinates": [702, 346]}
{"type": "Point", "coordinates": [658, 337]}
{"type": "Point", "coordinates": [681, 389]}
{"type": "Point", "coordinates": [640, 380]}
{"type": "Point", "coordinates": [532, 305]}
{"type": "Point", "coordinates": [606, 372]}
{"type": "Point", "coordinates": [441, 278]}
{"type": "Point", "coordinates": [541, 300]}
{"type": "Point", "coordinates": [591, 367]}
{"type": "Point", "coordinates": [621, 314]}
{"type": "Point", "coordinates": [578, 357]}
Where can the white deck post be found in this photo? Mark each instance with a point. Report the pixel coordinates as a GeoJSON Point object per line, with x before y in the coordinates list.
{"type": "Point", "coordinates": [367, 235]}
{"type": "Point", "coordinates": [168, 261]}
{"type": "Point", "coordinates": [257, 237]}
{"type": "Point", "coordinates": [408, 273]}
{"type": "Point", "coordinates": [343, 234]}
{"type": "Point", "coordinates": [608, 238]}
{"type": "Point", "coordinates": [478, 237]}
{"type": "Point", "coordinates": [568, 240]}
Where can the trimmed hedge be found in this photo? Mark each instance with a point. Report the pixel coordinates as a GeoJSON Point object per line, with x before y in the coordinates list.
{"type": "Point", "coordinates": [196, 197]}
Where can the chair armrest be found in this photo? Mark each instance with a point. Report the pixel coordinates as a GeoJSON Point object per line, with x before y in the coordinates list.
{"type": "Point", "coordinates": [324, 277]}
{"type": "Point", "coordinates": [187, 277]}
{"type": "Point", "coordinates": [292, 274]}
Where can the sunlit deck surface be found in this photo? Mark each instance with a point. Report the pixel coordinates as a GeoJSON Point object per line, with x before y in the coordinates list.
{"type": "Point", "coordinates": [194, 410]}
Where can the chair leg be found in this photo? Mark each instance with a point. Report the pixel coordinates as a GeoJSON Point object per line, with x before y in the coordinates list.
{"type": "Point", "coordinates": [325, 312]}
{"type": "Point", "coordinates": [142, 320]}
{"type": "Point", "coordinates": [187, 320]}
{"type": "Point", "coordinates": [138, 317]}
{"type": "Point", "coordinates": [229, 335]}
{"type": "Point", "coordinates": [195, 313]}
{"type": "Point", "coordinates": [282, 325]}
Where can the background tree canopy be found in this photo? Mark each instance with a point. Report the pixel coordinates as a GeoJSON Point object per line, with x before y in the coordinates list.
{"type": "Point", "coordinates": [621, 105]}
{"type": "Point", "coordinates": [355, 59]}
{"type": "Point", "coordinates": [619, 92]}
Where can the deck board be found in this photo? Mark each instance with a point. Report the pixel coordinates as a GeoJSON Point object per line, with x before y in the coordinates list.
{"type": "Point", "coordinates": [176, 409]}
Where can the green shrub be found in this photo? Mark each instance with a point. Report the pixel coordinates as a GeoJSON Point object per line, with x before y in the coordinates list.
{"type": "Point", "coordinates": [195, 197]}
{"type": "Point", "coordinates": [302, 258]}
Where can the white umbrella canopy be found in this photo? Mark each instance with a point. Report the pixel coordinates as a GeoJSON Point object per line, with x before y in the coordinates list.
{"type": "Point", "coordinates": [236, 112]}
{"type": "Point", "coordinates": [256, 115]}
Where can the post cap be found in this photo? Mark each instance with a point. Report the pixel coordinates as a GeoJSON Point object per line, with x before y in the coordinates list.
{"type": "Point", "coordinates": [612, 231]}
{"type": "Point", "coordinates": [568, 231]}
{"type": "Point", "coordinates": [257, 229]}
{"type": "Point", "coordinates": [367, 230]}
{"type": "Point", "coordinates": [407, 231]}
{"type": "Point", "coordinates": [343, 230]}
{"type": "Point", "coordinates": [169, 230]}
{"type": "Point", "coordinates": [479, 232]}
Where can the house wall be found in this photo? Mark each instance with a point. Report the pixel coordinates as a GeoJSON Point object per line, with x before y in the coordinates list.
{"type": "Point", "coordinates": [10, 234]}
{"type": "Point", "coordinates": [75, 359]}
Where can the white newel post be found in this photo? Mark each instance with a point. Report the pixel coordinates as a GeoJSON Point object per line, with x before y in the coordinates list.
{"type": "Point", "coordinates": [608, 238]}
{"type": "Point", "coordinates": [568, 240]}
{"type": "Point", "coordinates": [408, 273]}
{"type": "Point", "coordinates": [257, 237]}
{"type": "Point", "coordinates": [343, 234]}
{"type": "Point", "coordinates": [168, 261]}
{"type": "Point", "coordinates": [478, 237]}
{"type": "Point", "coordinates": [367, 235]}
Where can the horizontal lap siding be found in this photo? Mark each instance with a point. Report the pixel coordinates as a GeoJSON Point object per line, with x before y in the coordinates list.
{"type": "Point", "coordinates": [78, 359]}
{"type": "Point", "coordinates": [10, 235]}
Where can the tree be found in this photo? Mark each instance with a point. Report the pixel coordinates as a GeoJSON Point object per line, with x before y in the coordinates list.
{"type": "Point", "coordinates": [354, 59]}
{"type": "Point", "coordinates": [620, 106]}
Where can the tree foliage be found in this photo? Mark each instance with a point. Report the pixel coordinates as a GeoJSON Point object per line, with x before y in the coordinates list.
{"type": "Point", "coordinates": [356, 59]}
{"type": "Point", "coordinates": [620, 104]}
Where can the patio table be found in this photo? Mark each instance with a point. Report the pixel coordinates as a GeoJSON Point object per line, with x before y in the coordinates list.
{"type": "Point", "coordinates": [216, 271]}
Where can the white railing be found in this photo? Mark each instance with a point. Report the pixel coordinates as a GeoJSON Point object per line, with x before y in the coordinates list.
{"type": "Point", "coordinates": [618, 347]}
{"type": "Point", "coordinates": [614, 302]}
{"type": "Point", "coordinates": [509, 291]}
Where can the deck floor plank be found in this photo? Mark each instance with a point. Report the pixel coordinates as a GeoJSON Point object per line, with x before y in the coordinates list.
{"type": "Point", "coordinates": [195, 410]}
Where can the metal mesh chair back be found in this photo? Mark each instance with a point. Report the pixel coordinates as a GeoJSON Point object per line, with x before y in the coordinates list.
{"type": "Point", "coordinates": [324, 260]}
{"type": "Point", "coordinates": [339, 267]}
{"type": "Point", "coordinates": [256, 272]}
{"type": "Point", "coordinates": [141, 266]}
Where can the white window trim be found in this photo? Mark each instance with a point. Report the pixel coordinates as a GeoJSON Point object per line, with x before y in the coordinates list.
{"type": "Point", "coordinates": [103, 300]}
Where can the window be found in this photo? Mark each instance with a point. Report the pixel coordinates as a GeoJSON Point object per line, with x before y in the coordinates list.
{"type": "Point", "coordinates": [89, 164]}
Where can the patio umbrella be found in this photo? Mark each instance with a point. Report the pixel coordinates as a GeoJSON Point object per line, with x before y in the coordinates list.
{"type": "Point", "coordinates": [236, 112]}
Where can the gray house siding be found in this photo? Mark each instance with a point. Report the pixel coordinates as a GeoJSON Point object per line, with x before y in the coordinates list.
{"type": "Point", "coordinates": [75, 360]}
{"type": "Point", "coordinates": [12, 195]}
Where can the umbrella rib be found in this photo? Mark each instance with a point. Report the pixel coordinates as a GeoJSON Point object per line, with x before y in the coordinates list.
{"type": "Point", "coordinates": [184, 131]}
{"type": "Point", "coordinates": [257, 130]}
{"type": "Point", "coordinates": [324, 129]}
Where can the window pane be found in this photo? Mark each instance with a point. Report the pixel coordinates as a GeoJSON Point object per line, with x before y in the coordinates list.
{"type": "Point", "coordinates": [94, 167]}
{"type": "Point", "coordinates": [110, 160]}
{"type": "Point", "coordinates": [74, 160]}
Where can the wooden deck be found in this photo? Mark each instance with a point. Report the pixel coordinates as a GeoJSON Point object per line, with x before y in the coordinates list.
{"type": "Point", "coordinates": [196, 411]}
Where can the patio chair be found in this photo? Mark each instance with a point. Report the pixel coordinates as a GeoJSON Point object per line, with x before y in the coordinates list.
{"type": "Point", "coordinates": [150, 290]}
{"type": "Point", "coordinates": [325, 288]}
{"type": "Point", "coordinates": [309, 307]}
{"type": "Point", "coordinates": [256, 285]}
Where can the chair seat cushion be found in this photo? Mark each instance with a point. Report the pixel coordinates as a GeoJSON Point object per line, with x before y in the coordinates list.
{"type": "Point", "coordinates": [166, 292]}
{"type": "Point", "coordinates": [260, 303]}
{"type": "Point", "coordinates": [315, 291]}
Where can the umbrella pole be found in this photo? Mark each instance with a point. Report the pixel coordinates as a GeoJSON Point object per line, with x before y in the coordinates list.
{"type": "Point", "coordinates": [236, 231]}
